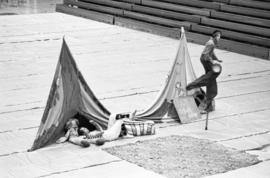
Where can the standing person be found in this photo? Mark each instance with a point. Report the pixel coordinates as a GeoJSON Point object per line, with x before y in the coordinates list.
{"type": "Point", "coordinates": [209, 61]}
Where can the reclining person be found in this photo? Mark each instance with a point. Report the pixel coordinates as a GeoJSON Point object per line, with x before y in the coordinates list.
{"type": "Point", "coordinates": [100, 136]}
{"type": "Point", "coordinates": [84, 137]}
{"type": "Point", "coordinates": [72, 134]}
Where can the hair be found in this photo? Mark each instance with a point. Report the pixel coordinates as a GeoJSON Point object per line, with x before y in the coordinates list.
{"type": "Point", "coordinates": [68, 123]}
{"type": "Point", "coordinates": [214, 34]}
{"type": "Point", "coordinates": [81, 132]}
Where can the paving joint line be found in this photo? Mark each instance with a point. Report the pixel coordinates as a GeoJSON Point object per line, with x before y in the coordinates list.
{"type": "Point", "coordinates": [71, 170]}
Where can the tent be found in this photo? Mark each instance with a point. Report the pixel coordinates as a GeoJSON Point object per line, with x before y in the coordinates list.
{"type": "Point", "coordinates": [171, 100]}
{"type": "Point", "coordinates": [70, 96]}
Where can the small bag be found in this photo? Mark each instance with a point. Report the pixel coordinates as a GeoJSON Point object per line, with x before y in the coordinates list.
{"type": "Point", "coordinates": [140, 128]}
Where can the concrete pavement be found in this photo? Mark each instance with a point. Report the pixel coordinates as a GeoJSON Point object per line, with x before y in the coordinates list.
{"type": "Point", "coordinates": [125, 69]}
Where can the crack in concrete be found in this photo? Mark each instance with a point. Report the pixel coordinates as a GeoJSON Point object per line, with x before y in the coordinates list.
{"type": "Point", "coordinates": [244, 136]}
{"type": "Point", "coordinates": [60, 172]}
{"type": "Point", "coordinates": [243, 94]}
{"type": "Point", "coordinates": [261, 148]}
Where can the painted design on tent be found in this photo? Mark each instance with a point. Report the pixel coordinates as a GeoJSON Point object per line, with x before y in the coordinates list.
{"type": "Point", "coordinates": [68, 96]}
{"type": "Point", "coordinates": [163, 108]}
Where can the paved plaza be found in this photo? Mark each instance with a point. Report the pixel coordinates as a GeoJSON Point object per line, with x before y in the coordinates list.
{"type": "Point", "coordinates": [125, 69]}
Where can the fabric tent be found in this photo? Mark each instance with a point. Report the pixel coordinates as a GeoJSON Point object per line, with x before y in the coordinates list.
{"type": "Point", "coordinates": [69, 95]}
{"type": "Point", "coordinates": [163, 108]}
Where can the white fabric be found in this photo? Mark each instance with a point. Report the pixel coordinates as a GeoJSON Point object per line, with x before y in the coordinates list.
{"type": "Point", "coordinates": [112, 120]}
{"type": "Point", "coordinates": [113, 132]}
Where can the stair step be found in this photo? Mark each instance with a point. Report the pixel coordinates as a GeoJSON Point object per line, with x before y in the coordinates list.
{"type": "Point", "coordinates": [166, 13]}
{"type": "Point", "coordinates": [195, 3]}
{"type": "Point", "coordinates": [148, 27]}
{"type": "Point", "coordinates": [241, 18]}
{"type": "Point", "coordinates": [117, 4]}
{"type": "Point", "coordinates": [245, 11]}
{"type": "Point", "coordinates": [242, 37]}
{"type": "Point", "coordinates": [157, 20]}
{"type": "Point", "coordinates": [219, 1]}
{"type": "Point", "coordinates": [132, 1]}
{"type": "Point", "coordinates": [236, 26]}
{"type": "Point", "coordinates": [245, 29]}
{"type": "Point", "coordinates": [253, 4]}
{"type": "Point", "coordinates": [230, 45]}
{"type": "Point", "coordinates": [178, 8]}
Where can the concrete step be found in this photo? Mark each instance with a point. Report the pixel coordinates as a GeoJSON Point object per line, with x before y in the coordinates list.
{"type": "Point", "coordinates": [251, 3]}
{"type": "Point", "coordinates": [244, 32]}
{"type": "Point", "coordinates": [245, 11]}
{"type": "Point", "coordinates": [241, 37]}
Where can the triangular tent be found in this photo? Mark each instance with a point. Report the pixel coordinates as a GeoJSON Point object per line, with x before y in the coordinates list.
{"type": "Point", "coordinates": [69, 96]}
{"type": "Point", "coordinates": [164, 108]}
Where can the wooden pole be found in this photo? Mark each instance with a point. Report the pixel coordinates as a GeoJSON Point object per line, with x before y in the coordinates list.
{"type": "Point", "coordinates": [206, 121]}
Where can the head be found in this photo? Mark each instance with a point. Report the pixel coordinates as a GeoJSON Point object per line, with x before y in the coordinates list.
{"type": "Point", "coordinates": [84, 131]}
{"type": "Point", "coordinates": [216, 35]}
{"type": "Point", "coordinates": [72, 123]}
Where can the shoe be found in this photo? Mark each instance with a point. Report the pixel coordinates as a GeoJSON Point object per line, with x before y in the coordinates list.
{"type": "Point", "coordinates": [206, 111]}
{"type": "Point", "coordinates": [203, 112]}
{"type": "Point", "coordinates": [100, 141]}
{"type": "Point", "coordinates": [188, 87]}
{"type": "Point", "coordinates": [85, 143]}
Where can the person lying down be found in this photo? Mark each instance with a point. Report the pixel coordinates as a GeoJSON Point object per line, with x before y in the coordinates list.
{"type": "Point", "coordinates": [119, 125]}
{"type": "Point", "coordinates": [114, 132]}
{"type": "Point", "coordinates": [83, 137]}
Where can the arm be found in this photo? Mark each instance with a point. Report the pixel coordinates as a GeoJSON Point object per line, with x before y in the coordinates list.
{"type": "Point", "coordinates": [67, 134]}
{"type": "Point", "coordinates": [208, 51]}
{"type": "Point", "coordinates": [214, 57]}
{"type": "Point", "coordinates": [63, 139]}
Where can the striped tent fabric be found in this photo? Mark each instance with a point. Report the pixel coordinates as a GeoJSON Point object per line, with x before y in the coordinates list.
{"type": "Point", "coordinates": [181, 73]}
{"type": "Point", "coordinates": [68, 96]}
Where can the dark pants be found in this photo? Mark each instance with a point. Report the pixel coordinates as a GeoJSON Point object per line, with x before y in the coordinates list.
{"type": "Point", "coordinates": [208, 80]}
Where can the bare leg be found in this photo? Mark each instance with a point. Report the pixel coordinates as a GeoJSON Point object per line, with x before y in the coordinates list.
{"type": "Point", "coordinates": [79, 141]}
{"type": "Point", "coordinates": [95, 134]}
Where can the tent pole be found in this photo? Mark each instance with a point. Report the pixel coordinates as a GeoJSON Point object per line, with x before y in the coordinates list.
{"type": "Point", "coordinates": [206, 121]}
